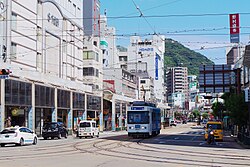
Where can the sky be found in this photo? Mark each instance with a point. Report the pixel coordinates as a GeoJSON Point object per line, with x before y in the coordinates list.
{"type": "Point", "coordinates": [201, 25]}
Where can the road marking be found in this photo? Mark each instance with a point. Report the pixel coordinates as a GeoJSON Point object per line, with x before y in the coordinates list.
{"type": "Point", "coordinates": [162, 142]}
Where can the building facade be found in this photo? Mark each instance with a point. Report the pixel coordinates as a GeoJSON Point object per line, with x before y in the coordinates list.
{"type": "Point", "coordinates": [177, 81]}
{"type": "Point", "coordinates": [44, 50]}
{"type": "Point", "coordinates": [91, 17]}
{"type": "Point", "coordinates": [150, 52]}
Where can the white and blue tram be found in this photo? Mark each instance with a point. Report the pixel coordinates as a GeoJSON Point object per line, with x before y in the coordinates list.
{"type": "Point", "coordinates": [143, 119]}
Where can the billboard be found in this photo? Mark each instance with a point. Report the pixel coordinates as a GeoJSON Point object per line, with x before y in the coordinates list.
{"type": "Point", "coordinates": [234, 28]}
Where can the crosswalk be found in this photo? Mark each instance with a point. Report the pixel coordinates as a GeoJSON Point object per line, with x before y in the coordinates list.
{"type": "Point", "coordinates": [193, 133]}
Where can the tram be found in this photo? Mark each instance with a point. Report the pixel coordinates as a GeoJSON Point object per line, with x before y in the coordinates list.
{"type": "Point", "coordinates": [143, 119]}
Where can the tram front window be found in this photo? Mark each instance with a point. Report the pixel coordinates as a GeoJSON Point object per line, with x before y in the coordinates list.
{"type": "Point", "coordinates": [138, 117]}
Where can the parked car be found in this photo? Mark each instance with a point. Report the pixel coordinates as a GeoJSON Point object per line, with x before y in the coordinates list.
{"type": "Point", "coordinates": [87, 128]}
{"type": "Point", "coordinates": [173, 123]}
{"type": "Point", "coordinates": [18, 136]}
{"type": "Point", "coordinates": [54, 129]}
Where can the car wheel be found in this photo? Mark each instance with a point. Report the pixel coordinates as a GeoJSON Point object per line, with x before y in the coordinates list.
{"type": "Point", "coordinates": [92, 135]}
{"type": "Point", "coordinates": [59, 136]}
{"type": "Point", "coordinates": [2, 145]}
{"type": "Point", "coordinates": [21, 142]}
{"type": "Point", "coordinates": [35, 141]}
{"type": "Point", "coordinates": [97, 135]}
{"type": "Point", "coordinates": [66, 135]}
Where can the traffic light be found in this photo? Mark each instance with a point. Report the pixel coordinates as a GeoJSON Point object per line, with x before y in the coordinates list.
{"type": "Point", "coordinates": [5, 71]}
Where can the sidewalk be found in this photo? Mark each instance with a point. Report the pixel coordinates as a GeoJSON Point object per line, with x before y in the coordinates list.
{"type": "Point", "coordinates": [231, 138]}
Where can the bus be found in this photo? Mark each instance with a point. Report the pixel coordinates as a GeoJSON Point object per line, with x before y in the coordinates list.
{"type": "Point", "coordinates": [143, 119]}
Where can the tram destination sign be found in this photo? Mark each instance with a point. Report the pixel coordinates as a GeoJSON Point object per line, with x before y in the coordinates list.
{"type": "Point", "coordinates": [137, 108]}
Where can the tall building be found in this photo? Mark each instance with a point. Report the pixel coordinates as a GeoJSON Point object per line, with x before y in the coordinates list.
{"type": "Point", "coordinates": [177, 81]}
{"type": "Point", "coordinates": [91, 17]}
{"type": "Point", "coordinates": [149, 53]}
{"type": "Point", "coordinates": [43, 47]}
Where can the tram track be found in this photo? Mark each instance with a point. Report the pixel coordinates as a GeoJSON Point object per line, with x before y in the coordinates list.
{"type": "Point", "coordinates": [135, 149]}
{"type": "Point", "coordinates": [152, 158]}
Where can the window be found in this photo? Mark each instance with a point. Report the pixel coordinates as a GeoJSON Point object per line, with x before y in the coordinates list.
{"type": "Point", "coordinates": [39, 34]}
{"type": "Point", "coordinates": [13, 50]}
{"type": "Point", "coordinates": [64, 46]}
{"type": "Point", "coordinates": [14, 21]}
{"type": "Point", "coordinates": [97, 73]}
{"type": "Point", "coordinates": [143, 81]}
{"type": "Point", "coordinates": [88, 71]}
{"type": "Point", "coordinates": [88, 55]}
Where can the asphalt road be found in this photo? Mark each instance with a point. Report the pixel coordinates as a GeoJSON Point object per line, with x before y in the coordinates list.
{"type": "Point", "coordinates": [177, 146]}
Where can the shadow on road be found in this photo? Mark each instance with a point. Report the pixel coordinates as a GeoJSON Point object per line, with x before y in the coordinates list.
{"type": "Point", "coordinates": [189, 138]}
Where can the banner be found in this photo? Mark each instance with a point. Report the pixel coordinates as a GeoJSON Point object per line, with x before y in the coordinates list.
{"type": "Point", "coordinates": [234, 28]}
{"type": "Point", "coordinates": [156, 66]}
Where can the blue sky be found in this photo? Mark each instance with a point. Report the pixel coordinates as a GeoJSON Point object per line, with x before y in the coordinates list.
{"type": "Point", "coordinates": [208, 32]}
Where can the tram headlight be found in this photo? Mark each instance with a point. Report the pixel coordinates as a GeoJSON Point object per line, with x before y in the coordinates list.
{"type": "Point", "coordinates": [143, 127]}
{"type": "Point", "coordinates": [131, 127]}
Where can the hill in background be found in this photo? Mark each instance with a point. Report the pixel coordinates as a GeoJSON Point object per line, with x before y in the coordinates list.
{"type": "Point", "coordinates": [178, 55]}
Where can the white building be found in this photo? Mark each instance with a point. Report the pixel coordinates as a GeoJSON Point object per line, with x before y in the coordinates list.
{"type": "Point", "coordinates": [150, 52]}
{"type": "Point", "coordinates": [44, 50]}
{"type": "Point", "coordinates": [177, 81]}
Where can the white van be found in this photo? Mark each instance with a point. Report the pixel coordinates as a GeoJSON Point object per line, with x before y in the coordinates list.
{"type": "Point", "coordinates": [87, 129]}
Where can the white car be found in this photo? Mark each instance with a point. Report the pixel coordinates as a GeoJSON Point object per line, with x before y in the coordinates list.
{"type": "Point", "coordinates": [17, 135]}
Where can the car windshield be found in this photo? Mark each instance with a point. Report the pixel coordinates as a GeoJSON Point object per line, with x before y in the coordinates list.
{"type": "Point", "coordinates": [85, 124]}
{"type": "Point", "coordinates": [8, 131]}
{"type": "Point", "coordinates": [138, 117]}
{"type": "Point", "coordinates": [50, 125]}
{"type": "Point", "coordinates": [214, 126]}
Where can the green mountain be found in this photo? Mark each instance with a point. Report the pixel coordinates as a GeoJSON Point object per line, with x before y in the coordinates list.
{"type": "Point", "coordinates": [178, 55]}
{"type": "Point", "coordinates": [121, 48]}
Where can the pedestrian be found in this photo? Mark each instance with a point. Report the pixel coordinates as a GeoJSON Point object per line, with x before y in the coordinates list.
{"type": "Point", "coordinates": [8, 122]}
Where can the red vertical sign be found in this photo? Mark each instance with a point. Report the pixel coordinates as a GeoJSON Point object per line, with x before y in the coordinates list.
{"type": "Point", "coordinates": [234, 28]}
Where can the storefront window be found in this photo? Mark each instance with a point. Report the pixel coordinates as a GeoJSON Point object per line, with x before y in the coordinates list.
{"type": "Point", "coordinates": [93, 102]}
{"type": "Point", "coordinates": [45, 96]}
{"type": "Point", "coordinates": [78, 100]}
{"type": "Point", "coordinates": [17, 93]}
{"type": "Point", "coordinates": [63, 98]}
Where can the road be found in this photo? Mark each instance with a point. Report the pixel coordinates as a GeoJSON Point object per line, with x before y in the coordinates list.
{"type": "Point", "coordinates": [176, 146]}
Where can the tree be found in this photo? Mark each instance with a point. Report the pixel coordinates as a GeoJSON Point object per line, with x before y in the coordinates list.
{"type": "Point", "coordinates": [205, 115]}
{"type": "Point", "coordinates": [218, 109]}
{"type": "Point", "coordinates": [196, 113]}
{"type": "Point", "coordinates": [237, 108]}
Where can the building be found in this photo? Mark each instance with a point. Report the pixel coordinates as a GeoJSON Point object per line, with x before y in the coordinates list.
{"type": "Point", "coordinates": [177, 81]}
{"type": "Point", "coordinates": [119, 84]}
{"type": "Point", "coordinates": [232, 55]}
{"type": "Point", "coordinates": [44, 50]}
{"type": "Point", "coordinates": [149, 53]}
{"type": "Point", "coordinates": [91, 17]}
{"type": "Point", "coordinates": [118, 96]}
{"type": "Point", "coordinates": [215, 78]}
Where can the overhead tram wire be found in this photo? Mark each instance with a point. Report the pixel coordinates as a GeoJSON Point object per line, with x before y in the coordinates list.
{"type": "Point", "coordinates": [134, 17]}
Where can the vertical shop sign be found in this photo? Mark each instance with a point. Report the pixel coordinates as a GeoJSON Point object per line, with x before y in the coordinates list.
{"type": "Point", "coordinates": [234, 28]}
{"type": "Point", "coordinates": [156, 66]}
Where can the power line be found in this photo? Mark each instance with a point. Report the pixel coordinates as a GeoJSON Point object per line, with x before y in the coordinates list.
{"type": "Point", "coordinates": [136, 16]}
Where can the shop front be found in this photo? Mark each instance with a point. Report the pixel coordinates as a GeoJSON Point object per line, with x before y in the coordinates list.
{"type": "Point", "coordinates": [107, 115]}
{"type": "Point", "coordinates": [63, 108]}
{"type": "Point", "coordinates": [18, 110]}
{"type": "Point", "coordinates": [94, 109]}
{"type": "Point", "coordinates": [44, 106]}
{"type": "Point", "coordinates": [78, 108]}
